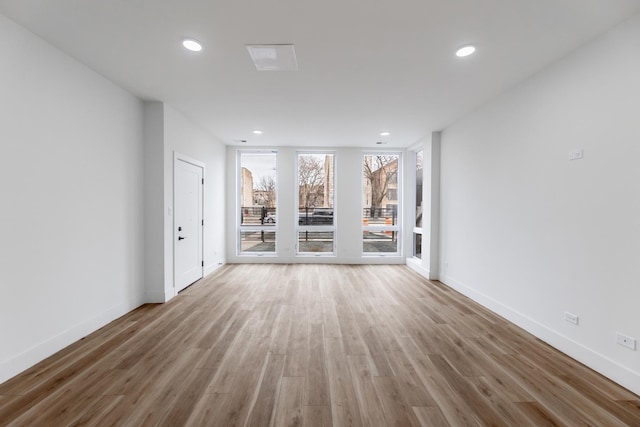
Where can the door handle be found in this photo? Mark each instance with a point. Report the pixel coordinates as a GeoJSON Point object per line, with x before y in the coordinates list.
{"type": "Point", "coordinates": [181, 238]}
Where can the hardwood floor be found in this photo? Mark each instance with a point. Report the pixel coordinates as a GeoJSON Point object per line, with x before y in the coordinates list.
{"type": "Point", "coordinates": [316, 345]}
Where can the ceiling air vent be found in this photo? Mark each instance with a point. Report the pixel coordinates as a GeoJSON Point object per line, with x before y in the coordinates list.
{"type": "Point", "coordinates": [273, 57]}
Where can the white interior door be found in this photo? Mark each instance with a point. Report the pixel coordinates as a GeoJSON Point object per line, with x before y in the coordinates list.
{"type": "Point", "coordinates": [188, 184]}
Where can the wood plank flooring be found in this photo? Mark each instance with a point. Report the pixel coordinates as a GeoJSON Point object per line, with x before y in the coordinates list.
{"type": "Point", "coordinates": [316, 345]}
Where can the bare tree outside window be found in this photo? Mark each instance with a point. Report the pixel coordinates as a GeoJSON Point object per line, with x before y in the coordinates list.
{"type": "Point", "coordinates": [381, 193]}
{"type": "Point", "coordinates": [380, 171]}
{"type": "Point", "coordinates": [315, 204]}
{"type": "Point", "coordinates": [265, 191]}
{"type": "Point", "coordinates": [311, 177]}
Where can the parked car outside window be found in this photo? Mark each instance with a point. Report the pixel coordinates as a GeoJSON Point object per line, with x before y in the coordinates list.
{"type": "Point", "coordinates": [317, 216]}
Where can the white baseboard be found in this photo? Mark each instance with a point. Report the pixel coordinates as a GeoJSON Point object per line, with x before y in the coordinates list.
{"type": "Point", "coordinates": [155, 297]}
{"type": "Point", "coordinates": [416, 265]}
{"type": "Point", "coordinates": [12, 367]}
{"type": "Point", "coordinates": [213, 267]}
{"type": "Point", "coordinates": [594, 360]}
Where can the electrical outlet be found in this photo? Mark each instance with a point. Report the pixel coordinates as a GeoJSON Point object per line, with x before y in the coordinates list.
{"type": "Point", "coordinates": [626, 341]}
{"type": "Point", "coordinates": [571, 318]}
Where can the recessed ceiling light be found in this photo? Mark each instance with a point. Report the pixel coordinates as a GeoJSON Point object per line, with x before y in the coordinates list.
{"type": "Point", "coordinates": [192, 45]}
{"type": "Point", "coordinates": [385, 133]}
{"type": "Point", "coordinates": [273, 57]}
{"type": "Point", "coordinates": [465, 51]}
{"type": "Point", "coordinates": [257, 132]}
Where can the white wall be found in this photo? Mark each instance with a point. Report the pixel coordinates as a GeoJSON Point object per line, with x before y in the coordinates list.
{"type": "Point", "coordinates": [184, 137]}
{"type": "Point", "coordinates": [531, 234]}
{"type": "Point", "coordinates": [71, 210]}
{"type": "Point", "coordinates": [348, 204]}
{"type": "Point", "coordinates": [154, 202]}
{"type": "Point", "coordinates": [168, 132]}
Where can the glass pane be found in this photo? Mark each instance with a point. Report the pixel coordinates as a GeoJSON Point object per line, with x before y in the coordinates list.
{"type": "Point", "coordinates": [379, 241]}
{"type": "Point", "coordinates": [315, 216]}
{"type": "Point", "coordinates": [380, 188]}
{"type": "Point", "coordinates": [315, 241]}
{"type": "Point", "coordinates": [419, 161]}
{"type": "Point", "coordinates": [257, 202]}
{"type": "Point", "coordinates": [258, 215]}
{"type": "Point", "coordinates": [315, 189]}
{"type": "Point", "coordinates": [381, 216]}
{"type": "Point", "coordinates": [417, 245]}
{"type": "Point", "coordinates": [257, 187]}
{"type": "Point", "coordinates": [257, 241]}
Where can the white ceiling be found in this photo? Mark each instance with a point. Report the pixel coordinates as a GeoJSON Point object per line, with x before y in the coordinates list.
{"type": "Point", "coordinates": [365, 66]}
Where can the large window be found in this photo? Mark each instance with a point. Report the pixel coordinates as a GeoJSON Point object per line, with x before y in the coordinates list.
{"type": "Point", "coordinates": [258, 200]}
{"type": "Point", "coordinates": [316, 209]}
{"type": "Point", "coordinates": [417, 230]}
{"type": "Point", "coordinates": [381, 204]}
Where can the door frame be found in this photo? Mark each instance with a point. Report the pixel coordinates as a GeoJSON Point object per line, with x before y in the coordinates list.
{"type": "Point", "coordinates": [178, 157]}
